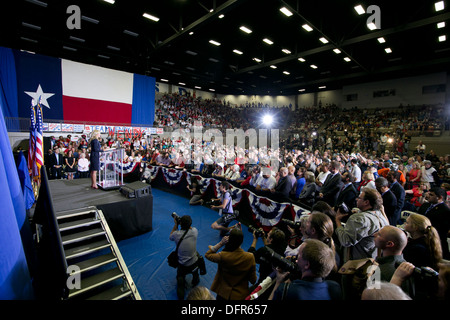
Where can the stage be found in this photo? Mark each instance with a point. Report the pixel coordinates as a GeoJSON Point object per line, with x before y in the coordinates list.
{"type": "Point", "coordinates": [126, 217]}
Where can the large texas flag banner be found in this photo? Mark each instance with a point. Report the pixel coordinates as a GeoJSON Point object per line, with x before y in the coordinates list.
{"type": "Point", "coordinates": [78, 92]}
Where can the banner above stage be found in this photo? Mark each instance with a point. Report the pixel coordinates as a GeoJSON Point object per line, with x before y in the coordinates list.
{"type": "Point", "coordinates": [72, 91]}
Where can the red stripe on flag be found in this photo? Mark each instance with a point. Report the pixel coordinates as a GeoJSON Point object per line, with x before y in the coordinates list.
{"type": "Point", "coordinates": [89, 110]}
{"type": "Point", "coordinates": [39, 155]}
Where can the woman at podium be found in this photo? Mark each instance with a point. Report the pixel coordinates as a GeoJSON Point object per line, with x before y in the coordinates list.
{"type": "Point", "coordinates": [95, 157]}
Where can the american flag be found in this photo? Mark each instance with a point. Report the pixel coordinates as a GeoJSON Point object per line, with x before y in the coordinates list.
{"type": "Point", "coordinates": [31, 149]}
{"type": "Point", "coordinates": [35, 153]}
{"type": "Point", "coordinates": [39, 142]}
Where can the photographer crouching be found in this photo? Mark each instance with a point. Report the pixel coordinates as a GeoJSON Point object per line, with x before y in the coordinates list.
{"type": "Point", "coordinates": [189, 261]}
{"type": "Point", "coordinates": [225, 210]}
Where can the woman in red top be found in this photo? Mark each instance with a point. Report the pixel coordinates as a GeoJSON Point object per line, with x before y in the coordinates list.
{"type": "Point", "coordinates": [415, 175]}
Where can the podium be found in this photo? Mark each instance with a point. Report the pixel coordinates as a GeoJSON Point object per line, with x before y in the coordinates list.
{"type": "Point", "coordinates": [111, 169]}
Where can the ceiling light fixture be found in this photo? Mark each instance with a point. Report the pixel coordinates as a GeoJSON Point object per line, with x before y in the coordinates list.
{"type": "Point", "coordinates": [113, 48]}
{"type": "Point", "coordinates": [286, 11]}
{"type": "Point", "coordinates": [286, 51]}
{"type": "Point", "coordinates": [268, 41]}
{"type": "Point", "coordinates": [237, 51]}
{"type": "Point", "coordinates": [76, 39]}
{"type": "Point", "coordinates": [273, 66]}
{"type": "Point", "coordinates": [91, 20]}
{"type": "Point", "coordinates": [359, 9]}
{"type": "Point", "coordinates": [323, 40]}
{"type": "Point", "coordinates": [439, 6]}
{"type": "Point", "coordinates": [307, 27]}
{"type": "Point", "coordinates": [313, 66]}
{"type": "Point", "coordinates": [130, 33]}
{"type": "Point", "coordinates": [441, 25]}
{"type": "Point", "coordinates": [29, 40]}
{"type": "Point", "coordinates": [69, 48]}
{"type": "Point", "coordinates": [245, 29]}
{"type": "Point", "coordinates": [286, 72]}
{"type": "Point", "coordinates": [301, 60]}
{"type": "Point", "coordinates": [388, 50]}
{"type": "Point", "coordinates": [347, 59]}
{"type": "Point", "coordinates": [381, 40]}
{"type": "Point", "coordinates": [215, 43]}
{"type": "Point", "coordinates": [149, 16]}
{"type": "Point", "coordinates": [110, 1]}
{"type": "Point", "coordinates": [221, 16]}
{"type": "Point", "coordinates": [257, 60]}
{"type": "Point", "coordinates": [39, 3]}
{"type": "Point", "coordinates": [442, 38]}
{"type": "Point", "coordinates": [371, 26]}
{"type": "Point", "coordinates": [337, 51]}
{"type": "Point", "coordinates": [31, 26]}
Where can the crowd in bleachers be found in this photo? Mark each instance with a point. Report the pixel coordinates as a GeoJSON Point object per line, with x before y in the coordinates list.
{"type": "Point", "coordinates": [339, 159]}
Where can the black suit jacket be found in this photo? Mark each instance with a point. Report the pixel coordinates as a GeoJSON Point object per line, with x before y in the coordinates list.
{"type": "Point", "coordinates": [283, 188]}
{"type": "Point", "coordinates": [55, 172]}
{"type": "Point", "coordinates": [440, 219]}
{"type": "Point", "coordinates": [52, 159]}
{"type": "Point", "coordinates": [331, 188]}
{"type": "Point", "coordinates": [399, 193]}
{"type": "Point", "coordinates": [390, 207]}
{"type": "Point", "coordinates": [348, 196]}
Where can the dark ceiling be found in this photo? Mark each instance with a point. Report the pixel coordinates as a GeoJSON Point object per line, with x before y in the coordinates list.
{"type": "Point", "coordinates": [117, 36]}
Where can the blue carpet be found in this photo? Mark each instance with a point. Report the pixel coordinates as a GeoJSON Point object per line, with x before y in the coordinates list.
{"type": "Point", "coordinates": [146, 255]}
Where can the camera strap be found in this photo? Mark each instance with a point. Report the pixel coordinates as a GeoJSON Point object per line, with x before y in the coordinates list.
{"type": "Point", "coordinates": [181, 239]}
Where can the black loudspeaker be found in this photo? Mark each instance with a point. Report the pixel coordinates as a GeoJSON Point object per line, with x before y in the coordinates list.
{"type": "Point", "coordinates": [136, 189]}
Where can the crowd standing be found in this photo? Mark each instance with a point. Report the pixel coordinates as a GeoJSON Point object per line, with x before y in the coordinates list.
{"type": "Point", "coordinates": [356, 181]}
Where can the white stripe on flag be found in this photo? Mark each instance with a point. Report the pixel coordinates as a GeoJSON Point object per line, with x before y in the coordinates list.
{"type": "Point", "coordinates": [81, 80]}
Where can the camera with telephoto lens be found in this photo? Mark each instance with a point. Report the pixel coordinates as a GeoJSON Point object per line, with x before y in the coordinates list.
{"type": "Point", "coordinates": [293, 224]}
{"type": "Point", "coordinates": [257, 231]}
{"type": "Point", "coordinates": [428, 277]}
{"type": "Point", "coordinates": [176, 217]}
{"type": "Point", "coordinates": [281, 262]}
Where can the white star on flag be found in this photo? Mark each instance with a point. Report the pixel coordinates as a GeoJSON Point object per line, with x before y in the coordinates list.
{"type": "Point", "coordinates": [40, 94]}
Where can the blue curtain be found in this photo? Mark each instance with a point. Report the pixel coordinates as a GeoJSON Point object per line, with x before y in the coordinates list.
{"type": "Point", "coordinates": [15, 280]}
{"type": "Point", "coordinates": [25, 181]}
{"type": "Point", "coordinates": [143, 112]}
{"type": "Point", "coordinates": [8, 88]}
